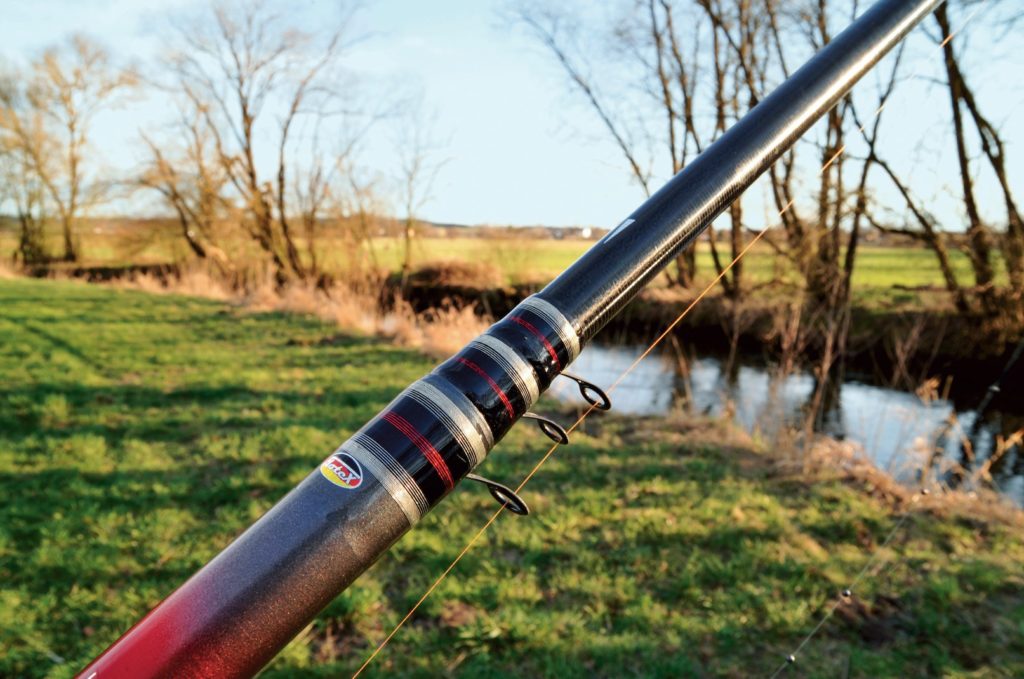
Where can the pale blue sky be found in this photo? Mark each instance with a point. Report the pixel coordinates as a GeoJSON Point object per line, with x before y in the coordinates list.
{"type": "Point", "coordinates": [521, 148]}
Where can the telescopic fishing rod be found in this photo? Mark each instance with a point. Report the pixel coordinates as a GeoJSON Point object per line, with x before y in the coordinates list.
{"type": "Point", "coordinates": [233, 616]}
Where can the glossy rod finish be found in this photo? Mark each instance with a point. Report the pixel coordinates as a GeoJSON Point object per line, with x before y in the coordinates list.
{"type": "Point", "coordinates": [613, 271]}
{"type": "Point", "coordinates": [238, 611]}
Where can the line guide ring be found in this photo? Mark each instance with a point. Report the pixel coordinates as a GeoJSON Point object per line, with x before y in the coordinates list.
{"type": "Point", "coordinates": [505, 496]}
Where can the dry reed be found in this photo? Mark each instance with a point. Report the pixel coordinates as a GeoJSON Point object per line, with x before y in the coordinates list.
{"type": "Point", "coordinates": [828, 458]}
{"type": "Point", "coordinates": [348, 306]}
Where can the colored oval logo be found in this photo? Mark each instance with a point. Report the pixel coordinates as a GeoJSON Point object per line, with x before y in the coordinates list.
{"type": "Point", "coordinates": [343, 470]}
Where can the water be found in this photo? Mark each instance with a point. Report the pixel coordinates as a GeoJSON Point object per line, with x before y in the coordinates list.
{"type": "Point", "coordinates": [896, 429]}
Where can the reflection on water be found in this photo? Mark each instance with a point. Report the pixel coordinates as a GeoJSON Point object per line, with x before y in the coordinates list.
{"type": "Point", "coordinates": [894, 428]}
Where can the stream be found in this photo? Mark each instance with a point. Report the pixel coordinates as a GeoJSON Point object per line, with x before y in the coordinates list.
{"type": "Point", "coordinates": [896, 429]}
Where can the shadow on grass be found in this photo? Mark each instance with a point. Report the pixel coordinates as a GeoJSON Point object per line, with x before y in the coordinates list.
{"type": "Point", "coordinates": [181, 415]}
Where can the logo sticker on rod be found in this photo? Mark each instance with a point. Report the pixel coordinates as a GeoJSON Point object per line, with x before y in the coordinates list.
{"type": "Point", "coordinates": [341, 469]}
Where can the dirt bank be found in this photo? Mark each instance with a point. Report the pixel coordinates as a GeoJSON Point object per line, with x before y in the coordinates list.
{"type": "Point", "coordinates": [900, 348]}
{"type": "Point", "coordinates": [895, 348]}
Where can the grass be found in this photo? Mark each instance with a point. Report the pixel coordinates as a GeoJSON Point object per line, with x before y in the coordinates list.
{"type": "Point", "coordinates": [139, 434]}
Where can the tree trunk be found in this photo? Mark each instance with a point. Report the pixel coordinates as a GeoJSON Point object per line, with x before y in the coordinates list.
{"type": "Point", "coordinates": [70, 252]}
{"type": "Point", "coordinates": [719, 267]}
{"type": "Point", "coordinates": [407, 259]}
{"type": "Point", "coordinates": [31, 246]}
{"type": "Point", "coordinates": [686, 267]}
{"type": "Point", "coordinates": [978, 238]}
{"type": "Point", "coordinates": [736, 241]}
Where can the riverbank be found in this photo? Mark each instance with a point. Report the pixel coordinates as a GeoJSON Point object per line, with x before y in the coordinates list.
{"type": "Point", "coordinates": [891, 343]}
{"type": "Point", "coordinates": [140, 433]}
{"type": "Point", "coordinates": [899, 336]}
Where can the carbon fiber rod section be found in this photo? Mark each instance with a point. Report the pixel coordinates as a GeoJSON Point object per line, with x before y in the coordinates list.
{"type": "Point", "coordinates": [613, 272]}
{"type": "Point", "coordinates": [233, 616]}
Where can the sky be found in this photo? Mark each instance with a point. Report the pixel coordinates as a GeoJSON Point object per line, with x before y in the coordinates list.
{"type": "Point", "coordinates": [519, 145]}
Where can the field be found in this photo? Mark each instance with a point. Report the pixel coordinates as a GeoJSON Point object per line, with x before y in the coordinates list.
{"type": "Point", "coordinates": [886, 278]}
{"type": "Point", "coordinates": [139, 434]}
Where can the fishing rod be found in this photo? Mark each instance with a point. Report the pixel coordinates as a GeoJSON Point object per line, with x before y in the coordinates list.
{"type": "Point", "coordinates": [237, 612]}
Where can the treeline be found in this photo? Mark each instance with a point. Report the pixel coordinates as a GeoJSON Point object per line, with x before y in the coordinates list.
{"type": "Point", "coordinates": [261, 156]}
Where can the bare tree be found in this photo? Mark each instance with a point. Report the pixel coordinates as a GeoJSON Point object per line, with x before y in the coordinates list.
{"type": "Point", "coordinates": [192, 183]}
{"type": "Point", "coordinates": [926, 228]}
{"type": "Point", "coordinates": [22, 189]}
{"type": "Point", "coordinates": [50, 120]}
{"type": "Point", "coordinates": [361, 208]}
{"type": "Point", "coordinates": [980, 243]}
{"type": "Point", "coordinates": [555, 30]}
{"type": "Point", "coordinates": [256, 87]}
{"type": "Point", "coordinates": [19, 186]}
{"type": "Point", "coordinates": [419, 167]}
{"type": "Point", "coordinates": [699, 65]}
{"type": "Point", "coordinates": [646, 41]}
{"type": "Point", "coordinates": [979, 236]}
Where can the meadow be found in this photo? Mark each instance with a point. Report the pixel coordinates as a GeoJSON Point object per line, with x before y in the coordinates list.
{"type": "Point", "coordinates": [886, 278]}
{"type": "Point", "coordinates": [140, 433]}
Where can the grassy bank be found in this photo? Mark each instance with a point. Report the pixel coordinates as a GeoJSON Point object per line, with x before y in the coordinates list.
{"type": "Point", "coordinates": [140, 433]}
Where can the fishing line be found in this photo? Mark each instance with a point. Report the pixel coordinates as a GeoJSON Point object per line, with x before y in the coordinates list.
{"type": "Point", "coordinates": [653, 345]}
{"type": "Point", "coordinates": [847, 594]}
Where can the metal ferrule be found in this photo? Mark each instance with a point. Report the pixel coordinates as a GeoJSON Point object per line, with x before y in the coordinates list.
{"type": "Point", "coordinates": [512, 364]}
{"type": "Point", "coordinates": [458, 423]}
{"type": "Point", "coordinates": [385, 468]}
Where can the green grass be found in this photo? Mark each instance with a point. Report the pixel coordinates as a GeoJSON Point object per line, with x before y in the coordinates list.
{"type": "Point", "coordinates": [139, 434]}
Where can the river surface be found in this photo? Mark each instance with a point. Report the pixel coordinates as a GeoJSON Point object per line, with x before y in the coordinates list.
{"type": "Point", "coordinates": [898, 430]}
